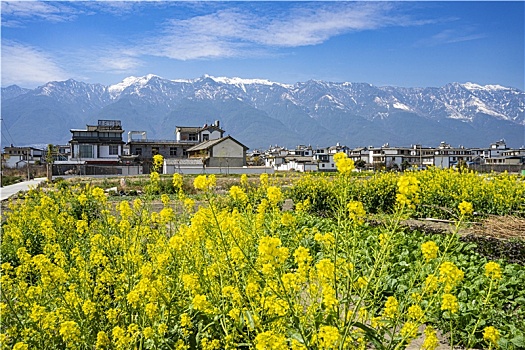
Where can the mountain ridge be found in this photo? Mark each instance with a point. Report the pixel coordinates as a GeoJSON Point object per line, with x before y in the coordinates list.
{"type": "Point", "coordinates": [313, 112]}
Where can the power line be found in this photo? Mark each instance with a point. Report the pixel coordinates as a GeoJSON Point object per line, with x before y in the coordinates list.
{"type": "Point", "coordinates": [2, 125]}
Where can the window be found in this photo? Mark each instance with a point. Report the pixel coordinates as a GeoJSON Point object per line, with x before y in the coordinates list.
{"type": "Point", "coordinates": [113, 150]}
{"type": "Point", "coordinates": [205, 137]}
{"type": "Point", "coordinates": [85, 151]}
{"type": "Point", "coordinates": [154, 151]}
{"type": "Point", "coordinates": [192, 137]}
{"type": "Point", "coordinates": [173, 151]}
{"type": "Point", "coordinates": [138, 151]}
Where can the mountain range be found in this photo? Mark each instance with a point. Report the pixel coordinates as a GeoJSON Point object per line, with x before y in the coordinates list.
{"type": "Point", "coordinates": [260, 113]}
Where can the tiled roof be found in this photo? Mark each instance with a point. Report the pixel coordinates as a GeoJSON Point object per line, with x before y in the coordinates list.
{"type": "Point", "coordinates": [183, 161]}
{"type": "Point", "coordinates": [205, 145]}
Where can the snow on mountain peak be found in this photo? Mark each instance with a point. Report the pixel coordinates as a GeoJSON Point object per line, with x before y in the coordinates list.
{"type": "Point", "coordinates": [127, 82]}
{"type": "Point", "coordinates": [240, 81]}
{"type": "Point", "coordinates": [473, 86]}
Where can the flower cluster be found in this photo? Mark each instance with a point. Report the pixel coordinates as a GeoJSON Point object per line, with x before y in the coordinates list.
{"type": "Point", "coordinates": [205, 183]}
{"type": "Point", "coordinates": [491, 335]}
{"type": "Point", "coordinates": [465, 208]}
{"type": "Point", "coordinates": [408, 188]}
{"type": "Point", "coordinates": [429, 250]}
{"type": "Point", "coordinates": [493, 270]}
{"type": "Point", "coordinates": [158, 162]}
{"type": "Point", "coordinates": [356, 211]}
{"type": "Point", "coordinates": [344, 164]}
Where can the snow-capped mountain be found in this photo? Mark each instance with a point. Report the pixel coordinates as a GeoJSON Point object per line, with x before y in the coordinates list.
{"type": "Point", "coordinates": [260, 112]}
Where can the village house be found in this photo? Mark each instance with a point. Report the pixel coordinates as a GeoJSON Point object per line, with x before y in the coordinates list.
{"type": "Point", "coordinates": [223, 152]}
{"type": "Point", "coordinates": [446, 156]}
{"type": "Point", "coordinates": [19, 157]}
{"type": "Point", "coordinates": [359, 154]}
{"type": "Point", "coordinates": [99, 144]}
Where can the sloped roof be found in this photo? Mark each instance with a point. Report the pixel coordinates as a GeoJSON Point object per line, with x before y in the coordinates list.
{"type": "Point", "coordinates": [211, 127]}
{"type": "Point", "coordinates": [208, 144]}
{"type": "Point", "coordinates": [300, 159]}
{"type": "Point", "coordinates": [183, 161]}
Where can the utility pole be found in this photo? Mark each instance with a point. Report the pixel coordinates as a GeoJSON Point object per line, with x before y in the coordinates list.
{"type": "Point", "coordinates": [1, 156]}
{"type": "Point", "coordinates": [420, 157]}
{"type": "Point", "coordinates": [27, 159]}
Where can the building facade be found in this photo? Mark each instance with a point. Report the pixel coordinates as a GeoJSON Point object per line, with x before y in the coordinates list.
{"type": "Point", "coordinates": [97, 144]}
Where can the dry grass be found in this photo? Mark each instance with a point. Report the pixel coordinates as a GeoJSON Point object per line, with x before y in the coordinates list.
{"type": "Point", "coordinates": [503, 227]}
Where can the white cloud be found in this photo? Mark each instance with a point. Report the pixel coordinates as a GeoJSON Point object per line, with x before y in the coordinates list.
{"type": "Point", "coordinates": [450, 36]}
{"type": "Point", "coordinates": [28, 66]}
{"type": "Point", "coordinates": [239, 31]}
{"type": "Point", "coordinates": [17, 13]}
{"type": "Point", "coordinates": [14, 13]}
{"type": "Point", "coordinates": [110, 60]}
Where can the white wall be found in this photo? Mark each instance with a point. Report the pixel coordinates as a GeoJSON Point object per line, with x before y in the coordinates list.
{"type": "Point", "coordinates": [227, 149]}
{"type": "Point", "coordinates": [104, 152]}
{"type": "Point", "coordinates": [213, 135]}
{"type": "Point", "coordinates": [171, 169]}
{"type": "Point", "coordinates": [12, 160]}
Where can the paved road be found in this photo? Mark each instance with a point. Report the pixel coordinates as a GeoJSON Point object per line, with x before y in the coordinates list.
{"type": "Point", "coordinates": [8, 191]}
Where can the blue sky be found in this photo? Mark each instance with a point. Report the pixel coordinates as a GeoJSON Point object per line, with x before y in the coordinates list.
{"type": "Point", "coordinates": [410, 44]}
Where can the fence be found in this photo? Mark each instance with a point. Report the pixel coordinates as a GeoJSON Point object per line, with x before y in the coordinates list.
{"type": "Point", "coordinates": [487, 168]}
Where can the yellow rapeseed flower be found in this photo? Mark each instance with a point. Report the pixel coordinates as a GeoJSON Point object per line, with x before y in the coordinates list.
{"type": "Point", "coordinates": [102, 340]}
{"type": "Point", "coordinates": [491, 335]}
{"type": "Point", "coordinates": [409, 330]}
{"type": "Point", "coordinates": [237, 194]}
{"type": "Point", "coordinates": [449, 302]}
{"type": "Point", "coordinates": [70, 331]}
{"type": "Point", "coordinates": [343, 164]}
{"type": "Point", "coordinates": [82, 199]}
{"type": "Point", "coordinates": [465, 208]}
{"type": "Point", "coordinates": [357, 212]}
{"type": "Point", "coordinates": [450, 274]}
{"type": "Point", "coordinates": [361, 282]}
{"type": "Point", "coordinates": [493, 270]}
{"type": "Point", "coordinates": [270, 341]}
{"type": "Point", "coordinates": [391, 306]}
{"type": "Point", "coordinates": [415, 312]}
{"type": "Point", "coordinates": [158, 162]}
{"type": "Point", "coordinates": [201, 303]}
{"type": "Point", "coordinates": [20, 346]}
{"type": "Point", "coordinates": [274, 195]}
{"type": "Point", "coordinates": [429, 250]}
{"type": "Point", "coordinates": [329, 337]}
{"type": "Point", "coordinates": [99, 194]}
{"type": "Point", "coordinates": [264, 179]}
{"type": "Point", "coordinates": [200, 182]}
{"type": "Point", "coordinates": [177, 182]}
{"type": "Point", "coordinates": [431, 341]}
{"type": "Point", "coordinates": [431, 283]}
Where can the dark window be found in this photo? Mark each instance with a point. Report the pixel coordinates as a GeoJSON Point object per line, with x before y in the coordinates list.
{"type": "Point", "coordinates": [192, 137]}
{"type": "Point", "coordinates": [113, 150]}
{"type": "Point", "coordinates": [86, 151]}
{"type": "Point", "coordinates": [138, 151]}
{"type": "Point", "coordinates": [205, 137]}
{"type": "Point", "coordinates": [173, 151]}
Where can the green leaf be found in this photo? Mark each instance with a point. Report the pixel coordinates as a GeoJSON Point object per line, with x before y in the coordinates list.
{"type": "Point", "coordinates": [519, 341]}
{"type": "Point", "coordinates": [249, 317]}
{"type": "Point", "coordinates": [371, 334]}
